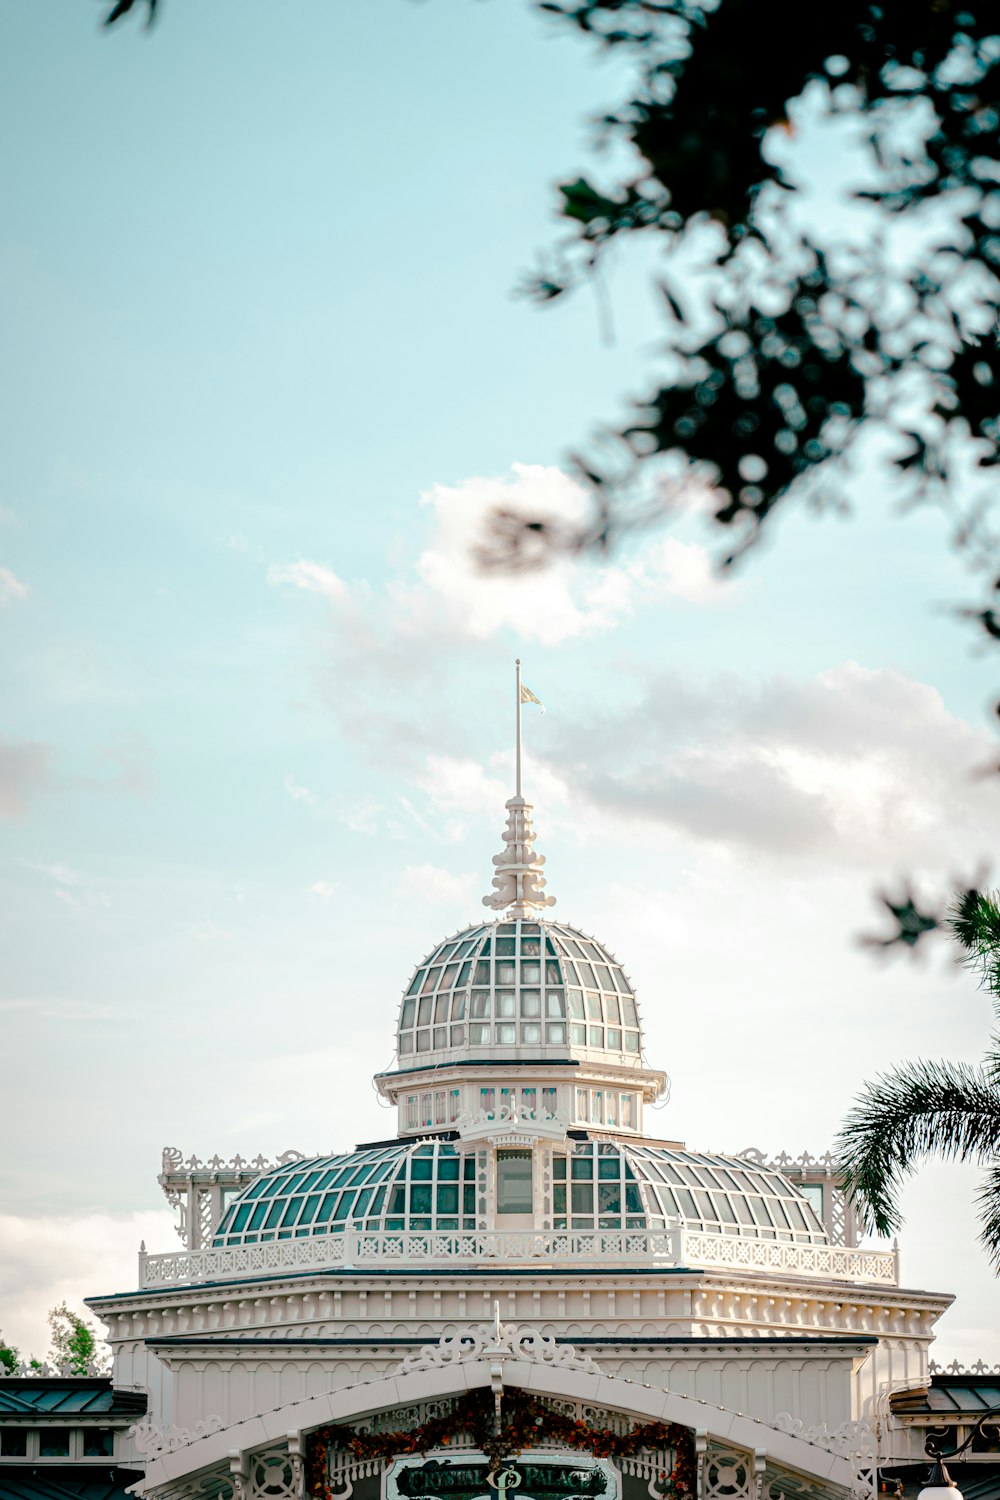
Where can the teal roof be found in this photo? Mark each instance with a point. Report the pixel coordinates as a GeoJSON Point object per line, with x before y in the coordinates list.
{"type": "Point", "coordinates": [35, 1482]}
{"type": "Point", "coordinates": [66, 1396]}
{"type": "Point", "coordinates": [597, 1184]}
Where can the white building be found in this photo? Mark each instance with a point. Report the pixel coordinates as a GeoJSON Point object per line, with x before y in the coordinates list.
{"type": "Point", "coordinates": [523, 1245]}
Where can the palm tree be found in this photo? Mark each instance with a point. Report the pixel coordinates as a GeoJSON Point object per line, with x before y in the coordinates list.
{"type": "Point", "coordinates": [943, 1109]}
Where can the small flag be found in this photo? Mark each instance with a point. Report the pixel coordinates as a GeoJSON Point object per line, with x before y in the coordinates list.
{"type": "Point", "coordinates": [527, 696]}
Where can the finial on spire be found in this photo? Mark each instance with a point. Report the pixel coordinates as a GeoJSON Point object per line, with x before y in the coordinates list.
{"type": "Point", "coordinates": [519, 883]}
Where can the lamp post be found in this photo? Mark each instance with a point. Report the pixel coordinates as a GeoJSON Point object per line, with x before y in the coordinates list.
{"type": "Point", "coordinates": [940, 1485]}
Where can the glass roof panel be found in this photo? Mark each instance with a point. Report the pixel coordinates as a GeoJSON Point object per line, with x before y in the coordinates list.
{"type": "Point", "coordinates": [493, 973]}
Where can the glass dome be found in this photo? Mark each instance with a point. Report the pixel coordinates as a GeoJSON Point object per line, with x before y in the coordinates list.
{"type": "Point", "coordinates": [519, 989]}
{"type": "Point", "coordinates": [431, 1185]}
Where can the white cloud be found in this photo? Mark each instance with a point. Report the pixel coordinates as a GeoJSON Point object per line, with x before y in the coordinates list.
{"type": "Point", "coordinates": [324, 889]}
{"type": "Point", "coordinates": [48, 1260]}
{"type": "Point", "coordinates": [864, 767]}
{"type": "Point", "coordinates": [299, 793]}
{"type": "Point", "coordinates": [11, 588]}
{"type": "Point", "coordinates": [313, 577]}
{"type": "Point", "coordinates": [452, 595]}
{"type": "Point", "coordinates": [436, 886]}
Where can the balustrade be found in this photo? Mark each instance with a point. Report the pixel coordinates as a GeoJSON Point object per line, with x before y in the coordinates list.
{"type": "Point", "coordinates": [673, 1246]}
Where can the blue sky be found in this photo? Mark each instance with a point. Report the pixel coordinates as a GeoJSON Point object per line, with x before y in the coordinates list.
{"type": "Point", "coordinates": [263, 377]}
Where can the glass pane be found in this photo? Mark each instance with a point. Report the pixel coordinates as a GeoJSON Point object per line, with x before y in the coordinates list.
{"type": "Point", "coordinates": [440, 1036]}
{"type": "Point", "coordinates": [614, 1039]}
{"type": "Point", "coordinates": [420, 1198]}
{"type": "Point", "coordinates": [629, 1011]}
{"type": "Point", "coordinates": [555, 1032]}
{"type": "Point", "coordinates": [423, 1041]}
{"type": "Point", "coordinates": [631, 1041]}
{"type": "Point", "coordinates": [424, 1011]}
{"type": "Point", "coordinates": [447, 1198]}
{"type": "Point", "coordinates": [53, 1442]}
{"type": "Point", "coordinates": [405, 1044]}
{"type": "Point", "coordinates": [583, 1166]}
{"type": "Point", "coordinates": [531, 1032]}
{"type": "Point", "coordinates": [812, 1192]}
{"type": "Point", "coordinates": [594, 1007]}
{"type": "Point", "coordinates": [531, 973]}
{"type": "Point", "coordinates": [612, 1011]}
{"type": "Point", "coordinates": [458, 1036]}
{"type": "Point", "coordinates": [506, 1033]}
{"type": "Point", "coordinates": [595, 1036]}
{"type": "Point", "coordinates": [441, 1006]}
{"type": "Point", "coordinates": [578, 1035]}
{"type": "Point", "coordinates": [450, 975]}
{"type": "Point", "coordinates": [480, 1003]}
{"type": "Point", "coordinates": [482, 973]}
{"type": "Point", "coordinates": [609, 1198]}
{"type": "Point", "coordinates": [505, 1003]}
{"type": "Point", "coordinates": [458, 1008]}
{"type": "Point", "coordinates": [583, 1198]}
{"type": "Point", "coordinates": [531, 1002]}
{"type": "Point", "coordinates": [506, 974]}
{"type": "Point", "coordinates": [408, 1013]}
{"type": "Point", "coordinates": [479, 1036]}
{"type": "Point", "coordinates": [514, 1182]}
{"type": "Point", "coordinates": [552, 974]}
{"type": "Point", "coordinates": [555, 1003]}
{"type": "Point", "coordinates": [505, 947]}
{"type": "Point", "coordinates": [448, 1170]}
{"type": "Point", "coordinates": [14, 1442]}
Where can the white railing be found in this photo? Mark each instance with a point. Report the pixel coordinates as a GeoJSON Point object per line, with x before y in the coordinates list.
{"type": "Point", "coordinates": [673, 1247]}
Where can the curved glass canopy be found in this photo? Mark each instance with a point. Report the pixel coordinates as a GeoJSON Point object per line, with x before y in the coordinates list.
{"type": "Point", "coordinates": [527, 988]}
{"type": "Point", "coordinates": [431, 1185]}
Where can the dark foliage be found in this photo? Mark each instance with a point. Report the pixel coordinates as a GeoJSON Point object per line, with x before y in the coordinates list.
{"type": "Point", "coordinates": [122, 8]}
{"type": "Point", "coordinates": [802, 342]}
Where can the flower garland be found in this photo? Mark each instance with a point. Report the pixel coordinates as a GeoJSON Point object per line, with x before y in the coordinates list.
{"type": "Point", "coordinates": [527, 1423]}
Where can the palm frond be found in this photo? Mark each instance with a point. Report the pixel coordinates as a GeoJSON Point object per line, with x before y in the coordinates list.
{"type": "Point", "coordinates": [919, 1109]}
{"type": "Point", "coordinates": [974, 919]}
{"type": "Point", "coordinates": [988, 1204]}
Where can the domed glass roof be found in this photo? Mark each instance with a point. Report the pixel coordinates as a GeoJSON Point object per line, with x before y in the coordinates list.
{"type": "Point", "coordinates": [519, 988]}
{"type": "Point", "coordinates": [431, 1185]}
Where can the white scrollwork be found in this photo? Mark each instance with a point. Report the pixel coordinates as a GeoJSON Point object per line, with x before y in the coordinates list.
{"type": "Point", "coordinates": [484, 1341]}
{"type": "Point", "coordinates": [957, 1368]}
{"type": "Point", "coordinates": [151, 1440]}
{"type": "Point", "coordinates": [672, 1246]}
{"type": "Point", "coordinates": [729, 1474]}
{"type": "Point", "coordinates": [272, 1475]}
{"type": "Point", "coordinates": [854, 1441]}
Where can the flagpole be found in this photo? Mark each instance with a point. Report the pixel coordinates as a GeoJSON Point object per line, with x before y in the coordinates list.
{"type": "Point", "coordinates": [517, 737]}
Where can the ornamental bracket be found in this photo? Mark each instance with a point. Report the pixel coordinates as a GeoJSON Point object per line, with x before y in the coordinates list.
{"type": "Point", "coordinates": [494, 1342]}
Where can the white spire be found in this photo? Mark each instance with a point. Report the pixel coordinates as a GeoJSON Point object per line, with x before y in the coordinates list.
{"type": "Point", "coordinates": [519, 883]}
